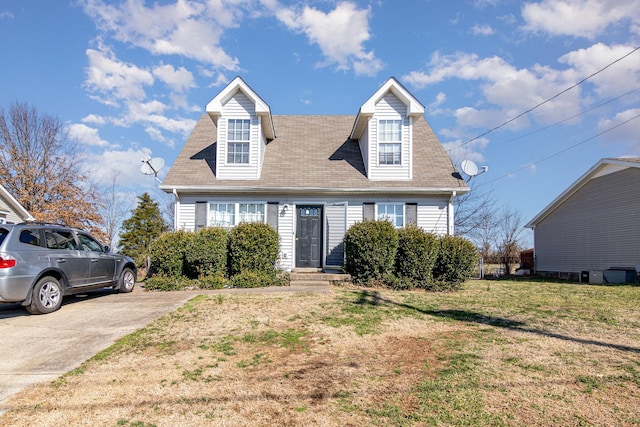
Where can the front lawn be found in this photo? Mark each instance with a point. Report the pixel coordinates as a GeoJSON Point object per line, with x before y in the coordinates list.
{"type": "Point", "coordinates": [497, 353]}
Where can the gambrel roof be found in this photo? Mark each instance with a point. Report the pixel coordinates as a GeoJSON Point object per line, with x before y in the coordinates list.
{"type": "Point", "coordinates": [313, 154]}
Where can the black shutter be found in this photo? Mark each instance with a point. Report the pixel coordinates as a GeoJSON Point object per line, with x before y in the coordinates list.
{"type": "Point", "coordinates": [272, 215]}
{"type": "Point", "coordinates": [369, 211]}
{"type": "Point", "coordinates": [201, 215]}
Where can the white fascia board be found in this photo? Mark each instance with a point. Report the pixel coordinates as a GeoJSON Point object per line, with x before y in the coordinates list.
{"type": "Point", "coordinates": [313, 190]}
{"type": "Point", "coordinates": [215, 106]}
{"type": "Point", "coordinates": [24, 214]}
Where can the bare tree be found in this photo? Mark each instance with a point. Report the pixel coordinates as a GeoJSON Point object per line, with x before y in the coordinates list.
{"type": "Point", "coordinates": [115, 207]}
{"type": "Point", "coordinates": [509, 238]}
{"type": "Point", "coordinates": [39, 166]}
{"type": "Point", "coordinates": [476, 218]}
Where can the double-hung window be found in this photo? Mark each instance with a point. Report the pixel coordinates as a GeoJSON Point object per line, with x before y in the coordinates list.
{"type": "Point", "coordinates": [394, 213]}
{"type": "Point", "coordinates": [222, 215]}
{"type": "Point", "coordinates": [229, 215]}
{"type": "Point", "coordinates": [238, 136]}
{"type": "Point", "coordinates": [389, 142]}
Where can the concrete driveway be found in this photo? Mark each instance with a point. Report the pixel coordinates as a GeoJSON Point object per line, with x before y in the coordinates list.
{"type": "Point", "coordinates": [41, 348]}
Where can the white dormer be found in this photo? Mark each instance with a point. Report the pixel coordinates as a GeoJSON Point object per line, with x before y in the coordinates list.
{"type": "Point", "coordinates": [245, 126]}
{"type": "Point", "coordinates": [384, 130]}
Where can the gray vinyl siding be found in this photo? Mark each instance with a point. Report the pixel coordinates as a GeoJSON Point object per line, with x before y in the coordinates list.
{"type": "Point", "coordinates": [597, 228]}
{"type": "Point", "coordinates": [8, 214]}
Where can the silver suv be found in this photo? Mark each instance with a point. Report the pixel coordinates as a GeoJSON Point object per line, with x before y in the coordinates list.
{"type": "Point", "coordinates": [41, 263]}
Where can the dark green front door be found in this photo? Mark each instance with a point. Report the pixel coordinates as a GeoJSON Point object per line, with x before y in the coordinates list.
{"type": "Point", "coordinates": [308, 236]}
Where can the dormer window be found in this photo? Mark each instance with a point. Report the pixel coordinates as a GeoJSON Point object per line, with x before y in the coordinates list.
{"type": "Point", "coordinates": [238, 136]}
{"type": "Point", "coordinates": [390, 142]}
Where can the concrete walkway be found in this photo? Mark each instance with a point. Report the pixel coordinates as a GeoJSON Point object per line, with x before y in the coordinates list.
{"type": "Point", "coordinates": [41, 348]}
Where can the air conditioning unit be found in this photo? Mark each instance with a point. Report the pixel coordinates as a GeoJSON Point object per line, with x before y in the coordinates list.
{"type": "Point", "coordinates": [596, 277]}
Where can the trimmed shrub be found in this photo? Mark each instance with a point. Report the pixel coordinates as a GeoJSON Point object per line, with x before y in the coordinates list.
{"type": "Point", "coordinates": [370, 249]}
{"type": "Point", "coordinates": [167, 253]}
{"type": "Point", "coordinates": [206, 252]}
{"type": "Point", "coordinates": [255, 279]}
{"type": "Point", "coordinates": [167, 283]}
{"type": "Point", "coordinates": [456, 262]}
{"type": "Point", "coordinates": [416, 256]}
{"type": "Point", "coordinates": [253, 247]}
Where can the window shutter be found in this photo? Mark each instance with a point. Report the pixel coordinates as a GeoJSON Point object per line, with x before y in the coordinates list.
{"type": "Point", "coordinates": [411, 212]}
{"type": "Point", "coordinates": [201, 215]}
{"type": "Point", "coordinates": [368, 211]}
{"type": "Point", "coordinates": [272, 215]}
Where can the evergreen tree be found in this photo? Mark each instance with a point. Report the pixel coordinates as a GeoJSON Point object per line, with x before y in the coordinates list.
{"type": "Point", "coordinates": [145, 225]}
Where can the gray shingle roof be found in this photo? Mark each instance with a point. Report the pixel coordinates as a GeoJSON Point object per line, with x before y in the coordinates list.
{"type": "Point", "coordinates": [312, 152]}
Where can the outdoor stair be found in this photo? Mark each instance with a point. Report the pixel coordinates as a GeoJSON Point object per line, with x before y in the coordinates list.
{"type": "Point", "coordinates": [316, 278]}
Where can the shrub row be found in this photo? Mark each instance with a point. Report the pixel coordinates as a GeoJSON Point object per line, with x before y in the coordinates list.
{"type": "Point", "coordinates": [212, 258]}
{"type": "Point", "coordinates": [377, 253]}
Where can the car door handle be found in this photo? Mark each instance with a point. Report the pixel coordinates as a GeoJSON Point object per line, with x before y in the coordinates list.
{"type": "Point", "coordinates": [94, 260]}
{"type": "Point", "coordinates": [61, 260]}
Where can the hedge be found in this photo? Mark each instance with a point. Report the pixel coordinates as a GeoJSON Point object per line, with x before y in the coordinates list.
{"type": "Point", "coordinates": [370, 249]}
{"type": "Point", "coordinates": [416, 256]}
{"type": "Point", "coordinates": [253, 247]}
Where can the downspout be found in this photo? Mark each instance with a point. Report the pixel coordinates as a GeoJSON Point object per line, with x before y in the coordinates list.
{"type": "Point", "coordinates": [451, 219]}
{"type": "Point", "coordinates": [176, 209]}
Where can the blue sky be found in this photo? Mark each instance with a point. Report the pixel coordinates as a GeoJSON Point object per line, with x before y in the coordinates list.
{"type": "Point", "coordinates": [130, 78]}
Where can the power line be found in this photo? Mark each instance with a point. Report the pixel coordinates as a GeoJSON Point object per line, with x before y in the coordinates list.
{"type": "Point", "coordinates": [564, 150]}
{"type": "Point", "coordinates": [548, 99]}
{"type": "Point", "coordinates": [595, 107]}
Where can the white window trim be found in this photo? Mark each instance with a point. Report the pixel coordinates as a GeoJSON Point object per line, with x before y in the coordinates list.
{"type": "Point", "coordinates": [404, 212]}
{"type": "Point", "coordinates": [236, 210]}
{"type": "Point", "coordinates": [399, 142]}
{"type": "Point", "coordinates": [239, 141]}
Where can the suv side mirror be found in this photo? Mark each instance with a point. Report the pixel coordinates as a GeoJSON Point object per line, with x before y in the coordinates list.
{"type": "Point", "coordinates": [107, 249]}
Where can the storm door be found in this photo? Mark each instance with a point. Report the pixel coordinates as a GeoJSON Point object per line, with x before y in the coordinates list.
{"type": "Point", "coordinates": [309, 236]}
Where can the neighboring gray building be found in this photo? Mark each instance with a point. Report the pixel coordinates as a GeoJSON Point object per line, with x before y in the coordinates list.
{"type": "Point", "coordinates": [591, 232]}
{"type": "Point", "coordinates": [311, 177]}
{"type": "Point", "coordinates": [12, 212]}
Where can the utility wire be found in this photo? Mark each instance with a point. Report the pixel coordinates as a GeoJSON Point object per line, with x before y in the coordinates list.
{"type": "Point", "coordinates": [595, 107]}
{"type": "Point", "coordinates": [549, 99]}
{"type": "Point", "coordinates": [564, 150]}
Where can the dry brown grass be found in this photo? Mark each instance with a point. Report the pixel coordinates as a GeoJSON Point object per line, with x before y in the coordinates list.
{"type": "Point", "coordinates": [497, 353]}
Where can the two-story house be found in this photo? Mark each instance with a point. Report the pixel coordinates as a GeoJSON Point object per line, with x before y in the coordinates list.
{"type": "Point", "coordinates": [311, 177]}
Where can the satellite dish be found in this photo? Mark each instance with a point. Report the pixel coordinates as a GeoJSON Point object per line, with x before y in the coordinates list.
{"type": "Point", "coordinates": [151, 166]}
{"type": "Point", "coordinates": [469, 168]}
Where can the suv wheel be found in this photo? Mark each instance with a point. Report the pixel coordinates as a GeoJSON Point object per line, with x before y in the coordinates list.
{"type": "Point", "coordinates": [47, 296]}
{"type": "Point", "coordinates": [127, 280]}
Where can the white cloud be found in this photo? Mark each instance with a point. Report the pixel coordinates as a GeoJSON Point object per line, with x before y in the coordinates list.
{"type": "Point", "coordinates": [94, 119]}
{"type": "Point", "coordinates": [615, 80]}
{"type": "Point", "coordinates": [340, 34]}
{"type": "Point", "coordinates": [124, 163]}
{"type": "Point", "coordinates": [178, 79]}
{"type": "Point", "coordinates": [86, 135]}
{"type": "Point", "coordinates": [112, 80]}
{"type": "Point", "coordinates": [627, 130]}
{"type": "Point", "coordinates": [192, 29]}
{"type": "Point", "coordinates": [482, 30]}
{"type": "Point", "coordinates": [6, 15]}
{"type": "Point", "coordinates": [507, 90]}
{"type": "Point", "coordinates": [579, 18]}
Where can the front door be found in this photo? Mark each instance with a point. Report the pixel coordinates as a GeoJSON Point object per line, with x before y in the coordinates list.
{"type": "Point", "coordinates": [308, 236]}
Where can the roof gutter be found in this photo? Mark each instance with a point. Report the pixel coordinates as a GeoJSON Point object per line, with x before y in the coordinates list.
{"type": "Point", "coordinates": [312, 190]}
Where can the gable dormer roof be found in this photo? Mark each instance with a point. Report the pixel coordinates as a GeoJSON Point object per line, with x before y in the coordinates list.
{"type": "Point", "coordinates": [414, 107]}
{"type": "Point", "coordinates": [215, 106]}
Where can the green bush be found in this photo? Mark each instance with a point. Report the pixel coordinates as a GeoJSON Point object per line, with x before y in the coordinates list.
{"type": "Point", "coordinates": [370, 250]}
{"type": "Point", "coordinates": [416, 256]}
{"type": "Point", "coordinates": [167, 253]}
{"type": "Point", "coordinates": [206, 252]}
{"type": "Point", "coordinates": [169, 283]}
{"type": "Point", "coordinates": [255, 279]}
{"type": "Point", "coordinates": [456, 262]}
{"type": "Point", "coordinates": [253, 247]}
